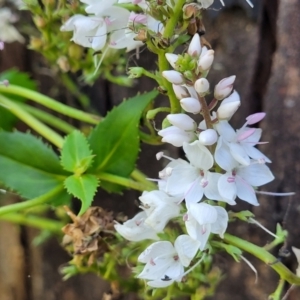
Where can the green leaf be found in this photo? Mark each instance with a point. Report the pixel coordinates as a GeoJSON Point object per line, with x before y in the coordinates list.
{"type": "Point", "coordinates": [76, 155]}
{"type": "Point", "coordinates": [28, 166]}
{"type": "Point", "coordinates": [115, 140]}
{"type": "Point", "coordinates": [8, 120]}
{"type": "Point", "coordinates": [82, 187]}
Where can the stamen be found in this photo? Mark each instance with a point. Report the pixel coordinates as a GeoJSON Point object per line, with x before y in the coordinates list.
{"type": "Point", "coordinates": [253, 221]}
{"type": "Point", "coordinates": [159, 155]}
{"type": "Point", "coordinates": [275, 194]}
{"type": "Point", "coordinates": [231, 179]}
{"type": "Point", "coordinates": [251, 267]}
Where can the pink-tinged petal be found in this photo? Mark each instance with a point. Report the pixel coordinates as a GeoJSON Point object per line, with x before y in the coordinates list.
{"type": "Point", "coordinates": [245, 134]}
{"type": "Point", "coordinates": [239, 154]}
{"type": "Point", "coordinates": [253, 139]}
{"type": "Point", "coordinates": [256, 174]}
{"type": "Point", "coordinates": [255, 118]}
{"type": "Point", "coordinates": [198, 155]}
{"type": "Point", "coordinates": [220, 226]}
{"type": "Point", "coordinates": [186, 248]}
{"type": "Point", "coordinates": [223, 156]}
{"type": "Point", "coordinates": [156, 249]}
{"type": "Point", "coordinates": [246, 192]}
{"type": "Point", "coordinates": [211, 191]}
{"type": "Point", "coordinates": [227, 188]}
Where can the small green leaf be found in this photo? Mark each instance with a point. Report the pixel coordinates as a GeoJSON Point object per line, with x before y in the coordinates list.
{"type": "Point", "coordinates": [28, 166]}
{"type": "Point", "coordinates": [235, 252]}
{"type": "Point", "coordinates": [76, 155]}
{"type": "Point", "coordinates": [242, 215]}
{"type": "Point", "coordinates": [8, 120]}
{"type": "Point", "coordinates": [116, 152]}
{"type": "Point", "coordinates": [82, 187]}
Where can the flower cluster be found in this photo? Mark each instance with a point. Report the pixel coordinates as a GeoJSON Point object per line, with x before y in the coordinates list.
{"type": "Point", "coordinates": [109, 24]}
{"type": "Point", "coordinates": [222, 165]}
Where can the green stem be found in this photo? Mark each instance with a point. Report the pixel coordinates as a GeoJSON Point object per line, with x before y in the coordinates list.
{"type": "Point", "coordinates": [50, 103]}
{"type": "Point", "coordinates": [31, 121]}
{"type": "Point", "coordinates": [48, 118]}
{"type": "Point", "coordinates": [141, 177]}
{"type": "Point", "coordinates": [125, 182]}
{"type": "Point", "coordinates": [264, 256]}
{"type": "Point", "coordinates": [173, 21]}
{"type": "Point", "coordinates": [72, 87]}
{"type": "Point", "coordinates": [150, 139]}
{"type": "Point", "coordinates": [278, 292]}
{"type": "Point", "coordinates": [33, 221]}
{"type": "Point", "coordinates": [11, 208]}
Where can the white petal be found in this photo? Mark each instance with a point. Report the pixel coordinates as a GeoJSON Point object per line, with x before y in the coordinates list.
{"type": "Point", "coordinates": [211, 191]}
{"type": "Point", "coordinates": [239, 154]}
{"type": "Point", "coordinates": [156, 249]}
{"type": "Point", "coordinates": [198, 155]}
{"type": "Point", "coordinates": [194, 193]}
{"type": "Point", "coordinates": [220, 226]}
{"type": "Point", "coordinates": [223, 156]}
{"type": "Point", "coordinates": [256, 174]}
{"type": "Point", "coordinates": [226, 131]}
{"type": "Point", "coordinates": [227, 189]}
{"type": "Point", "coordinates": [160, 283]}
{"type": "Point", "coordinates": [255, 153]}
{"type": "Point", "coordinates": [203, 213]}
{"type": "Point", "coordinates": [245, 191]}
{"type": "Point", "coordinates": [186, 248]}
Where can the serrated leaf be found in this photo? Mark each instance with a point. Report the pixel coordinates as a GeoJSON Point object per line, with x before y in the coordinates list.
{"type": "Point", "coordinates": [15, 77]}
{"type": "Point", "coordinates": [82, 187]}
{"type": "Point", "coordinates": [76, 155]}
{"type": "Point", "coordinates": [28, 166]}
{"type": "Point", "coordinates": [116, 152]}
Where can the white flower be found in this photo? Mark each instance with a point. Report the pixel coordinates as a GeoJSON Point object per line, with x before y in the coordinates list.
{"type": "Point", "coordinates": [201, 86]}
{"type": "Point", "coordinates": [195, 46]}
{"type": "Point", "coordinates": [208, 137]}
{"type": "Point", "coordinates": [240, 143]}
{"type": "Point", "coordinates": [239, 180]}
{"type": "Point", "coordinates": [229, 106]}
{"type": "Point", "coordinates": [8, 33]}
{"type": "Point", "coordinates": [191, 105]}
{"type": "Point", "coordinates": [165, 263]}
{"type": "Point", "coordinates": [97, 7]}
{"type": "Point", "coordinates": [160, 208]}
{"type": "Point", "coordinates": [135, 229]}
{"type": "Point", "coordinates": [193, 180]}
{"type": "Point", "coordinates": [203, 219]}
{"type": "Point", "coordinates": [91, 31]}
{"type": "Point", "coordinates": [224, 87]}
{"type": "Point", "coordinates": [173, 77]}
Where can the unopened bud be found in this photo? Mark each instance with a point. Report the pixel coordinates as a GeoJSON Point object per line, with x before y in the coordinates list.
{"type": "Point", "coordinates": [180, 91]}
{"type": "Point", "coordinates": [224, 87]}
{"type": "Point", "coordinates": [194, 49]}
{"type": "Point", "coordinates": [135, 72]}
{"type": "Point", "coordinates": [190, 105]}
{"type": "Point", "coordinates": [205, 61]}
{"type": "Point", "coordinates": [229, 106]}
{"type": "Point", "coordinates": [172, 58]}
{"type": "Point", "coordinates": [63, 63]}
{"type": "Point", "coordinates": [182, 121]}
{"type": "Point", "coordinates": [208, 137]}
{"type": "Point", "coordinates": [201, 86]}
{"type": "Point", "coordinates": [175, 136]}
{"type": "Point", "coordinates": [173, 77]}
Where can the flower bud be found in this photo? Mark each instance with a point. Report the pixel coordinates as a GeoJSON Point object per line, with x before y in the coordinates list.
{"type": "Point", "coordinates": [173, 77]}
{"type": "Point", "coordinates": [190, 105]}
{"type": "Point", "coordinates": [208, 137]}
{"type": "Point", "coordinates": [229, 106]}
{"type": "Point", "coordinates": [201, 86]}
{"type": "Point", "coordinates": [182, 121]}
{"type": "Point", "coordinates": [194, 49]}
{"type": "Point", "coordinates": [175, 136]}
{"type": "Point", "coordinates": [224, 87]}
{"type": "Point", "coordinates": [205, 61]}
{"type": "Point", "coordinates": [172, 58]}
{"type": "Point", "coordinates": [180, 91]}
